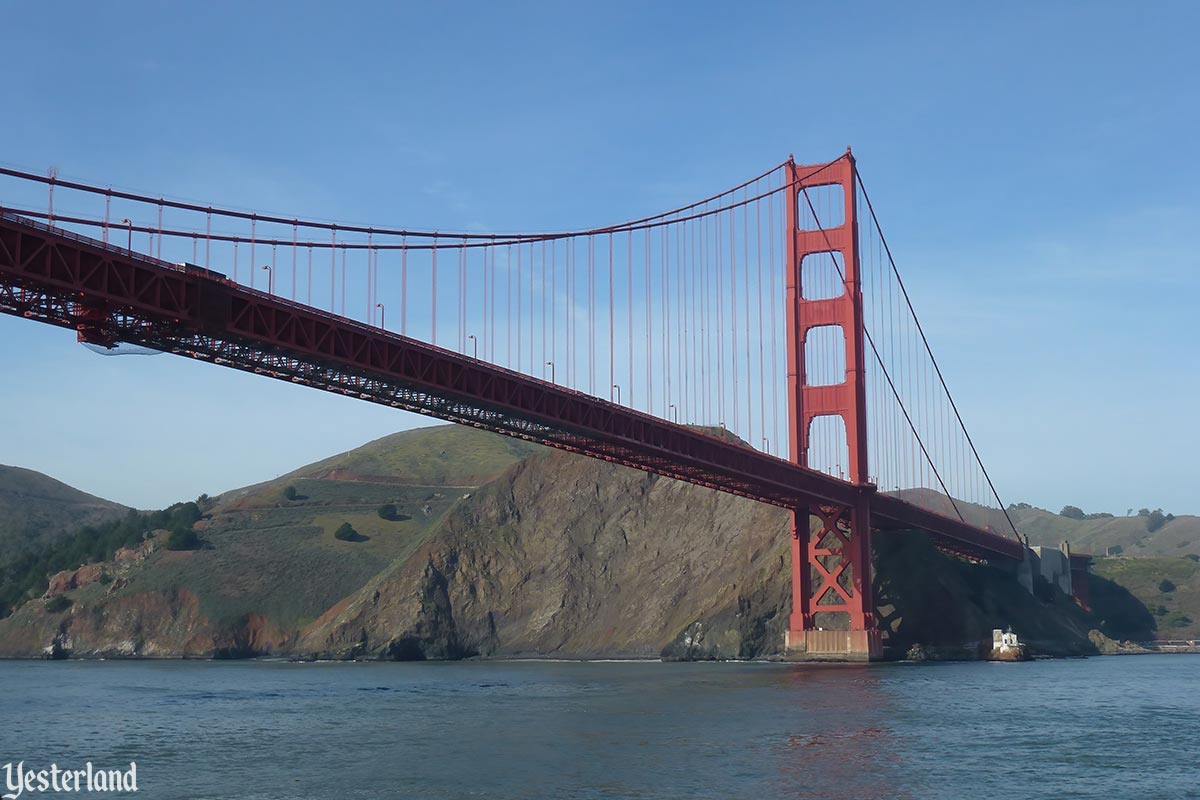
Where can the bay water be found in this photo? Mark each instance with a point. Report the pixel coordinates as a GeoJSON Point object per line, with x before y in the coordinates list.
{"type": "Point", "coordinates": [1109, 727]}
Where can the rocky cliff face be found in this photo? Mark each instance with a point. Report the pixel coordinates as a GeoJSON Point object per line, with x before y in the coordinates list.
{"type": "Point", "coordinates": [166, 624]}
{"type": "Point", "coordinates": [569, 557]}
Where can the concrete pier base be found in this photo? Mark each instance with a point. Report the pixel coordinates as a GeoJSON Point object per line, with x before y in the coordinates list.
{"type": "Point", "coordinates": [822, 645]}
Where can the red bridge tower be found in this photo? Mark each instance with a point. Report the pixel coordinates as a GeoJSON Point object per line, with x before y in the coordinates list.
{"type": "Point", "coordinates": [832, 608]}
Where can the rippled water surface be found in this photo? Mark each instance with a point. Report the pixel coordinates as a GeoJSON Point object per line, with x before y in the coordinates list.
{"type": "Point", "coordinates": [1102, 727]}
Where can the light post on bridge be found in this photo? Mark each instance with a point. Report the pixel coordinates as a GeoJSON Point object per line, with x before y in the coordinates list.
{"type": "Point", "coordinates": [767, 445]}
{"type": "Point", "coordinates": [129, 243]}
{"type": "Point", "coordinates": [382, 318]}
{"type": "Point", "coordinates": [618, 388]}
{"type": "Point", "coordinates": [550, 364]}
{"type": "Point", "coordinates": [474, 346]}
{"type": "Point", "coordinates": [270, 279]}
{"type": "Point", "coordinates": [673, 413]}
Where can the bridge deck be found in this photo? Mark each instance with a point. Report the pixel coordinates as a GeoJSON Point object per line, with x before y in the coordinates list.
{"type": "Point", "coordinates": [111, 293]}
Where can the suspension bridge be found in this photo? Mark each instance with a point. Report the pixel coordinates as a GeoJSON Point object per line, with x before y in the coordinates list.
{"type": "Point", "coordinates": [759, 342]}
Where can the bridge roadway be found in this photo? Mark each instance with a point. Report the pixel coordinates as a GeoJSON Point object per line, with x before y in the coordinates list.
{"type": "Point", "coordinates": [111, 294]}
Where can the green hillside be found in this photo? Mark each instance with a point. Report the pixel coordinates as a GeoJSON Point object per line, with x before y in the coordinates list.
{"type": "Point", "coordinates": [36, 509]}
{"type": "Point", "coordinates": [277, 557]}
{"type": "Point", "coordinates": [1136, 535]}
{"type": "Point", "coordinates": [1142, 533]}
{"type": "Point", "coordinates": [1168, 588]}
{"type": "Point", "coordinates": [441, 455]}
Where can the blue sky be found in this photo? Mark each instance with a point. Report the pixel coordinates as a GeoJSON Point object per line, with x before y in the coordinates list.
{"type": "Point", "coordinates": [1033, 165]}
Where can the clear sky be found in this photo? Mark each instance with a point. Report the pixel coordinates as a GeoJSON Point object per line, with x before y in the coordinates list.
{"type": "Point", "coordinates": [1034, 166]}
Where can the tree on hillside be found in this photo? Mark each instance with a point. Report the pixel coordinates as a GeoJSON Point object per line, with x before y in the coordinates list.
{"type": "Point", "coordinates": [183, 539]}
{"type": "Point", "coordinates": [1157, 519]}
{"type": "Point", "coordinates": [58, 603]}
{"type": "Point", "coordinates": [346, 533]}
{"type": "Point", "coordinates": [1071, 512]}
{"type": "Point", "coordinates": [289, 493]}
{"type": "Point", "coordinates": [183, 515]}
{"type": "Point", "coordinates": [388, 511]}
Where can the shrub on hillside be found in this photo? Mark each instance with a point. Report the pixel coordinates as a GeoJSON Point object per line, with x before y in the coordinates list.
{"type": "Point", "coordinates": [1165, 586]}
{"type": "Point", "coordinates": [1193, 556]}
{"type": "Point", "coordinates": [183, 515]}
{"type": "Point", "coordinates": [183, 539]}
{"type": "Point", "coordinates": [388, 511]}
{"type": "Point", "coordinates": [346, 533]}
{"type": "Point", "coordinates": [289, 493]}
{"type": "Point", "coordinates": [58, 603]}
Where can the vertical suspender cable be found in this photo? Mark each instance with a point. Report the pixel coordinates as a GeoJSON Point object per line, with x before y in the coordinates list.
{"type": "Point", "coordinates": [433, 296]}
{"type": "Point", "coordinates": [294, 233]}
{"type": "Point", "coordinates": [629, 309]}
{"type": "Point", "coordinates": [612, 308]}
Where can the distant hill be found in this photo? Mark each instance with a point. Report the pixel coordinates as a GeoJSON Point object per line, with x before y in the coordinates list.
{"type": "Point", "coordinates": [35, 508]}
{"type": "Point", "coordinates": [1177, 537]}
{"type": "Point", "coordinates": [1135, 535]}
{"type": "Point", "coordinates": [441, 455]}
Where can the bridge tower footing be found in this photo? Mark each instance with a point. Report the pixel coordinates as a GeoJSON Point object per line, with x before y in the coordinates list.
{"type": "Point", "coordinates": [833, 613]}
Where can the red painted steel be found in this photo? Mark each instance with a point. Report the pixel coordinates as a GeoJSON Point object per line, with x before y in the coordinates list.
{"type": "Point", "coordinates": [831, 567]}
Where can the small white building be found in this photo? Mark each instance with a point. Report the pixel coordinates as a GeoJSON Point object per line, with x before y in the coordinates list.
{"type": "Point", "coordinates": [1004, 642]}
